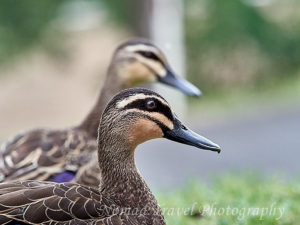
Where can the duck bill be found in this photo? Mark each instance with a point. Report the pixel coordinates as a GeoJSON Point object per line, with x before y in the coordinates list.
{"type": "Point", "coordinates": [177, 82]}
{"type": "Point", "coordinates": [184, 135]}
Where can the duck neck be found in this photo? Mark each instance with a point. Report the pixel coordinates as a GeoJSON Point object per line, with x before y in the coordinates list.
{"type": "Point", "coordinates": [120, 179]}
{"type": "Point", "coordinates": [111, 86]}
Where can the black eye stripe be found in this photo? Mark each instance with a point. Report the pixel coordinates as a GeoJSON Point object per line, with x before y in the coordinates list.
{"type": "Point", "coordinates": [150, 55]}
{"type": "Point", "coordinates": [160, 108]}
{"type": "Point", "coordinates": [161, 125]}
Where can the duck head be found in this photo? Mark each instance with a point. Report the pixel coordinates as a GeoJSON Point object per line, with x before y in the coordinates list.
{"type": "Point", "coordinates": [136, 115]}
{"type": "Point", "coordinates": [139, 61]}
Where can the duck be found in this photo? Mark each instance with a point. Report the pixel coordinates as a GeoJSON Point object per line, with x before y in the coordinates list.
{"type": "Point", "coordinates": [63, 155]}
{"type": "Point", "coordinates": [132, 117]}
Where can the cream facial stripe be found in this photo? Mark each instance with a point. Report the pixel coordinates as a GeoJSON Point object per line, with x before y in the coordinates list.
{"type": "Point", "coordinates": [130, 99]}
{"type": "Point", "coordinates": [157, 116]}
{"type": "Point", "coordinates": [156, 66]}
{"type": "Point", "coordinates": [141, 47]}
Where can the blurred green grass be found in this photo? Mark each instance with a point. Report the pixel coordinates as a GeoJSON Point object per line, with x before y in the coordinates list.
{"type": "Point", "coordinates": [235, 194]}
{"type": "Point", "coordinates": [232, 44]}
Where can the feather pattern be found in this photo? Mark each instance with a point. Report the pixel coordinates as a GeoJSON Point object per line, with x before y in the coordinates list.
{"type": "Point", "coordinates": [34, 202]}
{"type": "Point", "coordinates": [43, 154]}
{"type": "Point", "coordinates": [89, 173]}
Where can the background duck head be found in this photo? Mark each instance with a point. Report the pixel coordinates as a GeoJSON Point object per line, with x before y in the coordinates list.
{"type": "Point", "coordinates": [134, 62]}
{"type": "Point", "coordinates": [139, 61]}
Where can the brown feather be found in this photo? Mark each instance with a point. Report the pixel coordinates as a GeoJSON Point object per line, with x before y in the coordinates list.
{"type": "Point", "coordinates": [33, 205]}
{"type": "Point", "coordinates": [42, 154]}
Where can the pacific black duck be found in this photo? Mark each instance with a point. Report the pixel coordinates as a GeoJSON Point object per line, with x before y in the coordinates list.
{"type": "Point", "coordinates": [57, 155]}
{"type": "Point", "coordinates": [132, 117]}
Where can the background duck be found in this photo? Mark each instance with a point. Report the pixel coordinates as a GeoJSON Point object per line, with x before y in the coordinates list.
{"type": "Point", "coordinates": [56, 155]}
{"type": "Point", "coordinates": [130, 118]}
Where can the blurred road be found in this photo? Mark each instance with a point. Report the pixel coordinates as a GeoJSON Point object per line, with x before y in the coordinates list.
{"type": "Point", "coordinates": [267, 142]}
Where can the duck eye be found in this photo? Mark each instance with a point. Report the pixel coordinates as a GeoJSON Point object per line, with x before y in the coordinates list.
{"type": "Point", "coordinates": [151, 104]}
{"type": "Point", "coordinates": [149, 54]}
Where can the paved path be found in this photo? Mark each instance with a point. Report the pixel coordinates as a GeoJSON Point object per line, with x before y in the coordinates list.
{"type": "Point", "coordinates": [268, 142]}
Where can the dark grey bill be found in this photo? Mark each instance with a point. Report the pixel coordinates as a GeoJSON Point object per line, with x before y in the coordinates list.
{"type": "Point", "coordinates": [182, 134]}
{"type": "Point", "coordinates": [177, 82]}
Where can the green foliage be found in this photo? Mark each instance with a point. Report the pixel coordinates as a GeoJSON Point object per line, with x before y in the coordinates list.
{"type": "Point", "coordinates": [231, 43]}
{"type": "Point", "coordinates": [22, 23]}
{"type": "Point", "coordinates": [243, 196]}
{"type": "Point", "coordinates": [27, 23]}
{"type": "Point", "coordinates": [123, 12]}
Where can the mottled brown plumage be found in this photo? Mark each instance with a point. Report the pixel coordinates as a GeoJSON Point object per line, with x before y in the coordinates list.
{"type": "Point", "coordinates": [43, 154]}
{"type": "Point", "coordinates": [123, 197]}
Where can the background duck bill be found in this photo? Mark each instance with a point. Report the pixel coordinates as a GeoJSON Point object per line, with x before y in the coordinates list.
{"type": "Point", "coordinates": [182, 134]}
{"type": "Point", "coordinates": [177, 82]}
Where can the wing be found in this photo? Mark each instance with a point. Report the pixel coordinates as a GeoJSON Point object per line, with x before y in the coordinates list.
{"type": "Point", "coordinates": [89, 174]}
{"type": "Point", "coordinates": [33, 202]}
{"type": "Point", "coordinates": [42, 154]}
